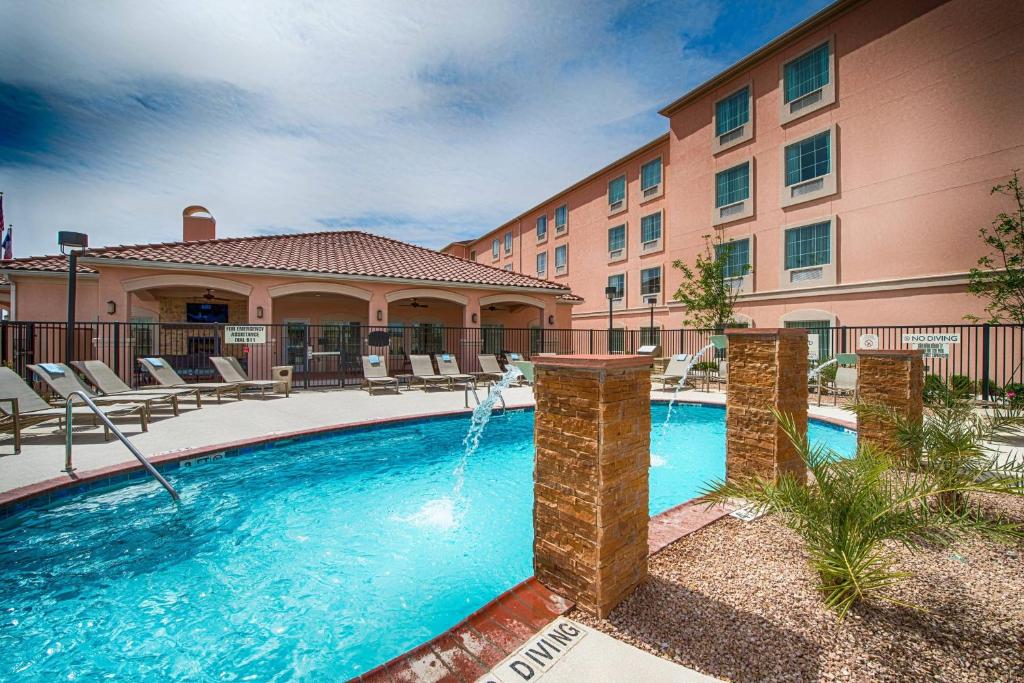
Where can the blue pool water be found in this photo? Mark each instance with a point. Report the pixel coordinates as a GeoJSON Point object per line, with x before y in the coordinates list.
{"type": "Point", "coordinates": [313, 560]}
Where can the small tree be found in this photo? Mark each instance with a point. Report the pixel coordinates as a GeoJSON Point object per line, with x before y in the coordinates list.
{"type": "Point", "coordinates": [999, 276]}
{"type": "Point", "coordinates": [707, 293]}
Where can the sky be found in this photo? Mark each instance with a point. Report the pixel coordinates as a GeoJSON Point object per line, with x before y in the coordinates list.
{"type": "Point", "coordinates": [427, 122]}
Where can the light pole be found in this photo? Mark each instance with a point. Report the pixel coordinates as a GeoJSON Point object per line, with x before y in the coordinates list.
{"type": "Point", "coordinates": [651, 300]}
{"type": "Point", "coordinates": [70, 243]}
{"type": "Point", "coordinates": [610, 292]}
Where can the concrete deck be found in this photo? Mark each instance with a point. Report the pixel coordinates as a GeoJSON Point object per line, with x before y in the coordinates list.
{"type": "Point", "coordinates": [42, 455]}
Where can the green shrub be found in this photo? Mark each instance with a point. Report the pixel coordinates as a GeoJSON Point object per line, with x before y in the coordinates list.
{"type": "Point", "coordinates": [706, 365]}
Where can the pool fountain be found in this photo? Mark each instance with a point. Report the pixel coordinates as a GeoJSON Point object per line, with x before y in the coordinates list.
{"type": "Point", "coordinates": [478, 422]}
{"type": "Point", "coordinates": [718, 341]}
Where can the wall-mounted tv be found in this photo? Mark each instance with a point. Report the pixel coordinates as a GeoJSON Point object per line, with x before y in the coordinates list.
{"type": "Point", "coordinates": [206, 313]}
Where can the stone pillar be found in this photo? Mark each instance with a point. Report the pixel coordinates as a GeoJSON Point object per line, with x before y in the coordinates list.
{"type": "Point", "coordinates": [889, 378]}
{"type": "Point", "coordinates": [767, 369]}
{"type": "Point", "coordinates": [590, 511]}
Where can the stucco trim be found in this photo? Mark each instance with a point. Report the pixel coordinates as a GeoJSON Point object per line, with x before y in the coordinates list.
{"type": "Point", "coordinates": [808, 314]}
{"type": "Point", "coordinates": [400, 294]}
{"type": "Point", "coordinates": [185, 280]}
{"type": "Point", "coordinates": [506, 298]}
{"type": "Point", "coordinates": [318, 288]}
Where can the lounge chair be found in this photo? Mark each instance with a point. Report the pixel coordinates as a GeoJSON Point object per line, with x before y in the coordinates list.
{"type": "Point", "coordinates": [231, 371]}
{"type": "Point", "coordinates": [490, 369]}
{"type": "Point", "coordinates": [423, 371]}
{"type": "Point", "coordinates": [21, 407]}
{"type": "Point", "coordinates": [675, 370]}
{"type": "Point", "coordinates": [722, 376]}
{"type": "Point", "coordinates": [845, 384]}
{"type": "Point", "coordinates": [63, 382]}
{"type": "Point", "coordinates": [375, 374]}
{"type": "Point", "coordinates": [164, 374]}
{"type": "Point", "coordinates": [448, 366]}
{"type": "Point", "coordinates": [526, 368]}
{"type": "Point", "coordinates": [108, 383]}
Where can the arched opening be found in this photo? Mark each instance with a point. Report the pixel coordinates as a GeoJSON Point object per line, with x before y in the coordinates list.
{"type": "Point", "coordinates": [515, 323]}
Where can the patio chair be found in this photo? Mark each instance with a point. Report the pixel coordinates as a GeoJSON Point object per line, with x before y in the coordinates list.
{"type": "Point", "coordinates": [231, 371]}
{"type": "Point", "coordinates": [722, 376]}
{"type": "Point", "coordinates": [526, 368]}
{"type": "Point", "coordinates": [675, 370]}
{"type": "Point", "coordinates": [164, 374]}
{"type": "Point", "coordinates": [490, 369]}
{"type": "Point", "coordinates": [448, 366]}
{"type": "Point", "coordinates": [845, 384]}
{"type": "Point", "coordinates": [108, 383]}
{"type": "Point", "coordinates": [21, 407]}
{"type": "Point", "coordinates": [375, 374]}
{"type": "Point", "coordinates": [423, 371]}
{"type": "Point", "coordinates": [63, 382]}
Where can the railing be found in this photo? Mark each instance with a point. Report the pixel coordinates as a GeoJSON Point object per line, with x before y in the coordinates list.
{"type": "Point", "coordinates": [325, 355]}
{"type": "Point", "coordinates": [69, 424]}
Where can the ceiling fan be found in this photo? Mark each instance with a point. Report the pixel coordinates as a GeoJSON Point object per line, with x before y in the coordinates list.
{"type": "Point", "coordinates": [415, 304]}
{"type": "Point", "coordinates": [210, 297]}
{"type": "Point", "coordinates": [492, 307]}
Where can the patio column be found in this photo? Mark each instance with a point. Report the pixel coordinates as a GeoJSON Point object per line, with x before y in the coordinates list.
{"type": "Point", "coordinates": [894, 379]}
{"type": "Point", "coordinates": [472, 343]}
{"type": "Point", "coordinates": [378, 302]}
{"type": "Point", "coordinates": [114, 343]}
{"type": "Point", "coordinates": [767, 370]}
{"type": "Point", "coordinates": [259, 298]}
{"type": "Point", "coordinates": [590, 509]}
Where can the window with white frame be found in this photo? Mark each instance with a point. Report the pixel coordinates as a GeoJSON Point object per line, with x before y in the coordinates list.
{"type": "Point", "coordinates": [650, 179]}
{"type": "Point", "coordinates": [618, 281]}
{"type": "Point", "coordinates": [737, 257]}
{"type": "Point", "coordinates": [495, 248]}
{"type": "Point", "coordinates": [733, 199]}
{"type": "Point", "coordinates": [542, 263]}
{"type": "Point", "coordinates": [508, 243]}
{"type": "Point", "coordinates": [808, 257]}
{"type": "Point", "coordinates": [617, 194]}
{"type": "Point", "coordinates": [542, 228]}
{"type": "Point", "coordinates": [561, 219]}
{"type": "Point", "coordinates": [650, 336]}
{"type": "Point", "coordinates": [507, 266]}
{"type": "Point", "coordinates": [809, 168]}
{"type": "Point", "coordinates": [617, 242]}
{"type": "Point", "coordinates": [732, 119]}
{"type": "Point", "coordinates": [650, 283]}
{"type": "Point", "coordinates": [650, 231]}
{"type": "Point", "coordinates": [808, 82]}
{"type": "Point", "coordinates": [561, 259]}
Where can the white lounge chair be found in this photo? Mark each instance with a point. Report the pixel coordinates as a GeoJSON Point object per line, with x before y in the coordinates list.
{"type": "Point", "coordinates": [423, 371]}
{"type": "Point", "coordinates": [448, 366]}
{"type": "Point", "coordinates": [675, 371]}
{"type": "Point", "coordinates": [108, 383]}
{"type": "Point", "coordinates": [375, 374]}
{"type": "Point", "coordinates": [164, 374]}
{"type": "Point", "coordinates": [845, 384]}
{"type": "Point", "coordinates": [232, 372]}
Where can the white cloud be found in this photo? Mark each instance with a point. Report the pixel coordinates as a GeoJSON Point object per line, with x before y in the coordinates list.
{"type": "Point", "coordinates": [427, 121]}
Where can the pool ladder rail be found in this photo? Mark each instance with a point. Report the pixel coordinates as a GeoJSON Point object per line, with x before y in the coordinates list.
{"type": "Point", "coordinates": [467, 392]}
{"type": "Point", "coordinates": [69, 417]}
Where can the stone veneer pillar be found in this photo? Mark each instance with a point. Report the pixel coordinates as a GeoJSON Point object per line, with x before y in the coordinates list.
{"type": "Point", "coordinates": [767, 369]}
{"type": "Point", "coordinates": [590, 513]}
{"type": "Point", "coordinates": [889, 378]}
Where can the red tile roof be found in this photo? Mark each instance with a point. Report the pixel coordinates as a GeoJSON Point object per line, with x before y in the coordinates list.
{"type": "Point", "coordinates": [348, 252]}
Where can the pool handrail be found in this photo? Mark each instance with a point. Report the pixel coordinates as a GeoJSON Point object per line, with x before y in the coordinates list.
{"type": "Point", "coordinates": [69, 417]}
{"type": "Point", "coordinates": [476, 397]}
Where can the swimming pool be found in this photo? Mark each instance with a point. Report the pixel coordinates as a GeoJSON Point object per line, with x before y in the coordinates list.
{"type": "Point", "coordinates": [316, 559]}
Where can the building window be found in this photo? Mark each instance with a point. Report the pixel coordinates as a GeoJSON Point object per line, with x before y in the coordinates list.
{"type": "Point", "coordinates": [650, 231]}
{"type": "Point", "coordinates": [617, 194]}
{"type": "Point", "coordinates": [732, 185]}
{"type": "Point", "coordinates": [495, 248]}
{"type": "Point", "coordinates": [650, 336]}
{"type": "Point", "coordinates": [619, 283]}
{"type": "Point", "coordinates": [808, 246]}
{"type": "Point", "coordinates": [617, 242]}
{"type": "Point", "coordinates": [808, 82]}
{"type": "Point", "coordinates": [561, 259]}
{"type": "Point", "coordinates": [507, 266]}
{"type": "Point", "coordinates": [508, 243]}
{"type": "Point", "coordinates": [808, 159]}
{"type": "Point", "coordinates": [542, 228]}
{"type": "Point", "coordinates": [807, 74]}
{"type": "Point", "coordinates": [732, 112]}
{"type": "Point", "coordinates": [821, 328]}
{"type": "Point", "coordinates": [737, 260]}
{"type": "Point", "coordinates": [617, 341]}
{"type": "Point", "coordinates": [650, 179]}
{"type": "Point", "coordinates": [542, 263]}
{"type": "Point", "coordinates": [650, 282]}
{"type": "Point", "coordinates": [472, 255]}
{"type": "Point", "coordinates": [561, 219]}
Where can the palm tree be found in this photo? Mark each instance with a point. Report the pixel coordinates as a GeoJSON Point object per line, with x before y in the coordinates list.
{"type": "Point", "coordinates": [853, 505]}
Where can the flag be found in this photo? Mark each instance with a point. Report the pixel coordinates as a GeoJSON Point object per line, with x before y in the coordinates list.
{"type": "Point", "coordinates": [7, 244]}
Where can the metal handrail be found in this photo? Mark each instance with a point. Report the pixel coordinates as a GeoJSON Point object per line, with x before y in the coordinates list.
{"type": "Point", "coordinates": [504, 406]}
{"type": "Point", "coordinates": [69, 417]}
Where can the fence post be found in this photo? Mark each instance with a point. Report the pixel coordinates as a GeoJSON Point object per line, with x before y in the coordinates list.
{"type": "Point", "coordinates": [117, 349]}
{"type": "Point", "coordinates": [591, 341]}
{"type": "Point", "coordinates": [985, 361]}
{"type": "Point", "coordinates": [842, 339]}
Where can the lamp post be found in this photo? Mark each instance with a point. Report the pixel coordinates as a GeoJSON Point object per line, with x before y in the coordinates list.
{"type": "Point", "coordinates": [651, 300]}
{"type": "Point", "coordinates": [70, 243]}
{"type": "Point", "coordinates": [610, 292]}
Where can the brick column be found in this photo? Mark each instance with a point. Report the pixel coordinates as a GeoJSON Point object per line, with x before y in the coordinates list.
{"type": "Point", "coordinates": [889, 378]}
{"type": "Point", "coordinates": [767, 369]}
{"type": "Point", "coordinates": [590, 512]}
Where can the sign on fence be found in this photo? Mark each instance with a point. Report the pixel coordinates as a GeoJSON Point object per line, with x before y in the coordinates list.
{"type": "Point", "coordinates": [245, 334]}
{"type": "Point", "coordinates": [813, 347]}
{"type": "Point", "coordinates": [934, 350]}
{"type": "Point", "coordinates": [931, 338]}
{"type": "Point", "coordinates": [868, 342]}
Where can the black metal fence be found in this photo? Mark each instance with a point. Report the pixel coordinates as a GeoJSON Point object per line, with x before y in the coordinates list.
{"type": "Point", "coordinates": [329, 355]}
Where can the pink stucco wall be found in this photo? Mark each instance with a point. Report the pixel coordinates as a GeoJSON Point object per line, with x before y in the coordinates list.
{"type": "Point", "coordinates": [927, 118]}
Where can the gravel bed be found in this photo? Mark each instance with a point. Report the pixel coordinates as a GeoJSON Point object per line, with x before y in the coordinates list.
{"type": "Point", "coordinates": [737, 601]}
